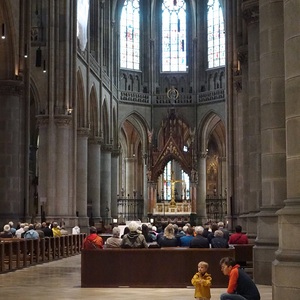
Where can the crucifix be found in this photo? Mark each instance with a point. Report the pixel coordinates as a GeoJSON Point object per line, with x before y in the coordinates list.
{"type": "Point", "coordinates": [173, 189]}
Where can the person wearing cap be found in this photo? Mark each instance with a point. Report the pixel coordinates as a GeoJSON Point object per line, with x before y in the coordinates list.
{"type": "Point", "coordinates": [134, 239]}
{"type": "Point", "coordinates": [6, 233]}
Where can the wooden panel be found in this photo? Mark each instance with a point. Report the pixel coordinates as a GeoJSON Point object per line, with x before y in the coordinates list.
{"type": "Point", "coordinates": [166, 267]}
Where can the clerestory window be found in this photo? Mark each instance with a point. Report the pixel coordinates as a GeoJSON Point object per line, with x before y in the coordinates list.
{"type": "Point", "coordinates": [215, 34]}
{"type": "Point", "coordinates": [174, 39]}
{"type": "Point", "coordinates": [130, 35]}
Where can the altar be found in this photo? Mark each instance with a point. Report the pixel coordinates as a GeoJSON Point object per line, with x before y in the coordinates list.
{"type": "Point", "coordinates": [171, 208]}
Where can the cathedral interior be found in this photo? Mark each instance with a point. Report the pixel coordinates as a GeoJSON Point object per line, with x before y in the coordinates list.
{"type": "Point", "coordinates": [159, 111]}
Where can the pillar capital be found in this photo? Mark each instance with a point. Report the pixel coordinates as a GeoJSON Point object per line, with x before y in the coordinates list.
{"type": "Point", "coordinates": [42, 121]}
{"type": "Point", "coordinates": [95, 140]}
{"type": "Point", "coordinates": [11, 87]}
{"type": "Point", "coordinates": [83, 132]}
{"type": "Point", "coordinates": [63, 121]}
{"type": "Point", "coordinates": [250, 10]}
{"type": "Point", "coordinates": [106, 147]}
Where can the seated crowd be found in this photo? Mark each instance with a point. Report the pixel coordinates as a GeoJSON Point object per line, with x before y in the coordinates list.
{"type": "Point", "coordinates": [36, 230]}
{"type": "Point", "coordinates": [146, 235]}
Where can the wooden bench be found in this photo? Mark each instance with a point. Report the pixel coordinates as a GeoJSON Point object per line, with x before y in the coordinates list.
{"type": "Point", "coordinates": [165, 267]}
{"type": "Point", "coordinates": [244, 256]}
{"type": "Point", "coordinates": [17, 253]}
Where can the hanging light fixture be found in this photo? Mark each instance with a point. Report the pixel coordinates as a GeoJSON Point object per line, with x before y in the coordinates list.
{"type": "Point", "coordinates": [3, 31]}
{"type": "Point", "coordinates": [38, 57]}
{"type": "Point", "coordinates": [44, 68]}
{"type": "Point", "coordinates": [25, 51]}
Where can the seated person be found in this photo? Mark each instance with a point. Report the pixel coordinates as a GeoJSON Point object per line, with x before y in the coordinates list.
{"type": "Point", "coordinates": [145, 231]}
{"type": "Point", "coordinates": [186, 239]}
{"type": "Point", "coordinates": [168, 239]}
{"type": "Point", "coordinates": [219, 241]}
{"type": "Point", "coordinates": [92, 241]}
{"type": "Point", "coordinates": [114, 241]}
{"type": "Point", "coordinates": [134, 239]}
{"type": "Point", "coordinates": [6, 233]}
{"type": "Point", "coordinates": [199, 241]}
{"type": "Point", "coordinates": [238, 237]}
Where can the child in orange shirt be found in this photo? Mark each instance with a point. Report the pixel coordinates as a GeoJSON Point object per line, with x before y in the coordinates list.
{"type": "Point", "coordinates": [202, 282]}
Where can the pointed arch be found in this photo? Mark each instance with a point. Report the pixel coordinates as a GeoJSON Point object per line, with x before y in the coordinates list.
{"type": "Point", "coordinates": [80, 101]}
{"type": "Point", "coordinates": [105, 123]}
{"type": "Point", "coordinates": [7, 48]}
{"type": "Point", "coordinates": [212, 126]}
{"type": "Point", "coordinates": [94, 113]}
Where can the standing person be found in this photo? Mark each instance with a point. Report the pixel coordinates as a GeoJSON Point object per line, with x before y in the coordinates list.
{"type": "Point", "coordinates": [238, 237]}
{"type": "Point", "coordinates": [240, 286]}
{"type": "Point", "coordinates": [92, 241]}
{"type": "Point", "coordinates": [202, 282]}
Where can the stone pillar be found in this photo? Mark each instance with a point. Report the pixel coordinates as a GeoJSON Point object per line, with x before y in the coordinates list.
{"type": "Point", "coordinates": [114, 183]}
{"type": "Point", "coordinates": [177, 176]}
{"type": "Point", "coordinates": [105, 173]}
{"type": "Point", "coordinates": [286, 266]}
{"type": "Point", "coordinates": [201, 192]}
{"type": "Point", "coordinates": [61, 207]}
{"type": "Point", "coordinates": [251, 13]}
{"type": "Point", "coordinates": [82, 175]}
{"type": "Point", "coordinates": [130, 163]}
{"type": "Point", "coordinates": [12, 160]}
{"type": "Point", "coordinates": [94, 165]}
{"type": "Point", "coordinates": [272, 137]}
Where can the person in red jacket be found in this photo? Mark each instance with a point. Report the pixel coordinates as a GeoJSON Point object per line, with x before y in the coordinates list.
{"type": "Point", "coordinates": [92, 241]}
{"type": "Point", "coordinates": [238, 237]}
{"type": "Point", "coordinates": [240, 286]}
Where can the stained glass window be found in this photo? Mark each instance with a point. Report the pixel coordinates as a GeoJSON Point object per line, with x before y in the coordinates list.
{"type": "Point", "coordinates": [215, 34]}
{"type": "Point", "coordinates": [130, 35]}
{"type": "Point", "coordinates": [174, 36]}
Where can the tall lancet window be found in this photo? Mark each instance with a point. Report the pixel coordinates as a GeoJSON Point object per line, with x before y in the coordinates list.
{"type": "Point", "coordinates": [82, 22]}
{"type": "Point", "coordinates": [130, 35]}
{"type": "Point", "coordinates": [215, 34]}
{"type": "Point", "coordinates": [174, 36]}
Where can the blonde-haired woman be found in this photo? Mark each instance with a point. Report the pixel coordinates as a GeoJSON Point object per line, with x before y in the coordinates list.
{"type": "Point", "coordinates": [168, 239]}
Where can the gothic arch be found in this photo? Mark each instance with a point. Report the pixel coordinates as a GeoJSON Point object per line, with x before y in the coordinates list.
{"type": "Point", "coordinates": [212, 126]}
{"type": "Point", "coordinates": [105, 123]}
{"type": "Point", "coordinates": [7, 49]}
{"type": "Point", "coordinates": [80, 101]}
{"type": "Point", "coordinates": [94, 119]}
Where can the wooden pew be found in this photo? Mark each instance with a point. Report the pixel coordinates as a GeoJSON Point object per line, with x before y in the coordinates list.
{"type": "Point", "coordinates": [244, 256]}
{"type": "Point", "coordinates": [165, 267]}
{"type": "Point", "coordinates": [18, 253]}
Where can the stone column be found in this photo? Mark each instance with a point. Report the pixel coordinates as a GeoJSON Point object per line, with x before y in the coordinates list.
{"type": "Point", "coordinates": [251, 13]}
{"type": "Point", "coordinates": [61, 207]}
{"type": "Point", "coordinates": [42, 159]}
{"type": "Point", "coordinates": [94, 165]}
{"type": "Point", "coordinates": [201, 192]}
{"type": "Point", "coordinates": [286, 266]}
{"type": "Point", "coordinates": [114, 182]}
{"type": "Point", "coordinates": [130, 163]}
{"type": "Point", "coordinates": [82, 176]}
{"type": "Point", "coordinates": [12, 159]}
{"type": "Point", "coordinates": [105, 173]}
{"type": "Point", "coordinates": [273, 157]}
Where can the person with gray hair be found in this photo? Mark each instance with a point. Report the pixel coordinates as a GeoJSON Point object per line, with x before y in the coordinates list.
{"type": "Point", "coordinates": [114, 241]}
{"type": "Point", "coordinates": [134, 239]}
{"type": "Point", "coordinates": [219, 241]}
{"type": "Point", "coordinates": [199, 241]}
{"type": "Point", "coordinates": [6, 233]}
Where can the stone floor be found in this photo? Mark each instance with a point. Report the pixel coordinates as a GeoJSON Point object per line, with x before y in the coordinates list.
{"type": "Point", "coordinates": [61, 280]}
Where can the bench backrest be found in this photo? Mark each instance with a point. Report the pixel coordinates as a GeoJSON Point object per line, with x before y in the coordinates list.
{"type": "Point", "coordinates": [165, 267]}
